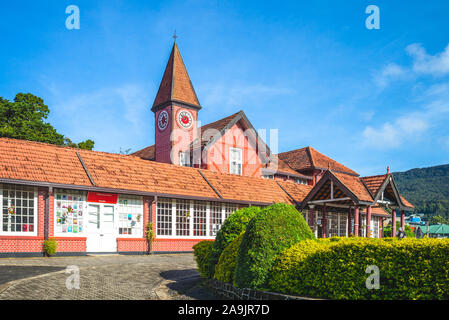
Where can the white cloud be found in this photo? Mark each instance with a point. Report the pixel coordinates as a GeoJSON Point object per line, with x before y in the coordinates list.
{"type": "Point", "coordinates": [392, 135]}
{"type": "Point", "coordinates": [389, 73]}
{"type": "Point", "coordinates": [427, 64]}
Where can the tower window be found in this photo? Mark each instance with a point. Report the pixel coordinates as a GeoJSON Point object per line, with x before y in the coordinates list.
{"type": "Point", "coordinates": [184, 159]}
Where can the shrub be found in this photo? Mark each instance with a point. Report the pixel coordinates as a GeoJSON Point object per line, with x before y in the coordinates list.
{"type": "Point", "coordinates": [408, 230]}
{"type": "Point", "coordinates": [232, 227]}
{"type": "Point", "coordinates": [225, 268]}
{"type": "Point", "coordinates": [50, 247]}
{"type": "Point", "coordinates": [201, 251]}
{"type": "Point", "coordinates": [272, 230]}
{"type": "Point", "coordinates": [409, 269]}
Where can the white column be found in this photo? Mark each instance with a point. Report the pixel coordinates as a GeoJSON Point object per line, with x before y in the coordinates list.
{"type": "Point", "coordinates": [173, 217]}
{"type": "Point", "coordinates": [191, 219]}
{"type": "Point", "coordinates": [208, 219]}
{"type": "Point", "coordinates": [222, 213]}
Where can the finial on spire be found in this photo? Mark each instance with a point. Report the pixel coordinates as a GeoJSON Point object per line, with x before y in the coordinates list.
{"type": "Point", "coordinates": [175, 36]}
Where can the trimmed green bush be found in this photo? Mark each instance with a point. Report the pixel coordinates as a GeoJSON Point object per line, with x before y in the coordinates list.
{"type": "Point", "coordinates": [271, 231]}
{"type": "Point", "coordinates": [409, 269]}
{"type": "Point", "coordinates": [225, 268]}
{"type": "Point", "coordinates": [202, 251]}
{"type": "Point", "coordinates": [232, 227]}
{"type": "Point", "coordinates": [50, 247]}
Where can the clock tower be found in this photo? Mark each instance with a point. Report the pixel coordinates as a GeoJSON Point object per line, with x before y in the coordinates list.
{"type": "Point", "coordinates": [176, 111]}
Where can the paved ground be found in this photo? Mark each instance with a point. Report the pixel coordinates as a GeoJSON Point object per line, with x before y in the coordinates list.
{"type": "Point", "coordinates": [112, 277]}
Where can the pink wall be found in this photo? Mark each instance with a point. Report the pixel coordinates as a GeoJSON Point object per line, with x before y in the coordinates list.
{"type": "Point", "coordinates": [218, 155]}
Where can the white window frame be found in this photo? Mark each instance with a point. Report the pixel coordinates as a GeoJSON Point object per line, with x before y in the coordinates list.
{"type": "Point", "coordinates": [173, 235]}
{"type": "Point", "coordinates": [184, 158]}
{"type": "Point", "coordinates": [141, 212]}
{"type": "Point", "coordinates": [268, 176]}
{"type": "Point", "coordinates": [236, 161]}
{"type": "Point", "coordinates": [35, 218]}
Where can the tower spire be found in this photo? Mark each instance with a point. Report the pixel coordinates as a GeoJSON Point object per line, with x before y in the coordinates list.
{"type": "Point", "coordinates": [176, 86]}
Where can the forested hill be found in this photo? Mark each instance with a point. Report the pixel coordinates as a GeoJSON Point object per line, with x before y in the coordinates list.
{"type": "Point", "coordinates": [426, 188]}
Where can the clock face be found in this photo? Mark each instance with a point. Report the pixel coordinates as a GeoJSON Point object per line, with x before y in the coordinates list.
{"type": "Point", "coordinates": [185, 119]}
{"type": "Point", "coordinates": [162, 120]}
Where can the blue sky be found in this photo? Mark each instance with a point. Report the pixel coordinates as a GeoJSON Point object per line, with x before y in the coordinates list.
{"type": "Point", "coordinates": [367, 98]}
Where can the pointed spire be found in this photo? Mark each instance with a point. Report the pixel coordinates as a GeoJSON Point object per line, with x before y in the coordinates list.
{"type": "Point", "coordinates": [176, 85]}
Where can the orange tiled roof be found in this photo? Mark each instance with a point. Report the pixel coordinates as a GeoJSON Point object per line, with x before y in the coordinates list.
{"type": "Point", "coordinates": [355, 185]}
{"type": "Point", "coordinates": [176, 84]}
{"type": "Point", "coordinates": [379, 211]}
{"type": "Point", "coordinates": [406, 202]}
{"type": "Point", "coordinates": [147, 153]}
{"type": "Point", "coordinates": [297, 191]}
{"type": "Point", "coordinates": [309, 158]}
{"type": "Point", "coordinates": [35, 161]}
{"type": "Point", "coordinates": [374, 182]}
{"type": "Point", "coordinates": [40, 162]}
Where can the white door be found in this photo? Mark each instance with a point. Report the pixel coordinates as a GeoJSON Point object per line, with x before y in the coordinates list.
{"type": "Point", "coordinates": [108, 239]}
{"type": "Point", "coordinates": [101, 228]}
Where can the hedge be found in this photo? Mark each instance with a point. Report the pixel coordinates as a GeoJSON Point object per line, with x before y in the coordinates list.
{"type": "Point", "coordinates": [272, 230]}
{"type": "Point", "coordinates": [202, 251]}
{"type": "Point", "coordinates": [225, 268]}
{"type": "Point", "coordinates": [232, 227]}
{"type": "Point", "coordinates": [409, 269]}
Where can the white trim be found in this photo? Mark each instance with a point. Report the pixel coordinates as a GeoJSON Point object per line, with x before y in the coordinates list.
{"type": "Point", "coordinates": [173, 217]}
{"type": "Point", "coordinates": [208, 218]}
{"type": "Point", "coordinates": [191, 218]}
{"type": "Point", "coordinates": [35, 216]}
{"type": "Point", "coordinates": [329, 200]}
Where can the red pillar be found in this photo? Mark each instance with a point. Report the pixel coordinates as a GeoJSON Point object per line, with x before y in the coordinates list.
{"type": "Point", "coordinates": [311, 217]}
{"type": "Point", "coordinates": [368, 221]}
{"type": "Point", "coordinates": [403, 220]}
{"type": "Point", "coordinates": [393, 229]}
{"type": "Point", "coordinates": [356, 221]}
{"type": "Point", "coordinates": [323, 220]}
{"type": "Point", "coordinates": [349, 222]}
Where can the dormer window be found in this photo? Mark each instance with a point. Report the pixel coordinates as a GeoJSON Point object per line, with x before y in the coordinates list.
{"type": "Point", "coordinates": [235, 163]}
{"type": "Point", "coordinates": [184, 159]}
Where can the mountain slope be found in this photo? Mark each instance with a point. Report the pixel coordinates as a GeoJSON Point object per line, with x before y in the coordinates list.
{"type": "Point", "coordinates": [426, 188]}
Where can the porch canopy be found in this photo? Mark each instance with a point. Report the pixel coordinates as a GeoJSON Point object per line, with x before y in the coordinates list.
{"type": "Point", "coordinates": [356, 194]}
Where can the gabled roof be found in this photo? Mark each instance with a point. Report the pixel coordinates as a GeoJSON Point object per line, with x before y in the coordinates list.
{"type": "Point", "coordinates": [176, 85]}
{"type": "Point", "coordinates": [309, 158]}
{"type": "Point", "coordinates": [347, 190]}
{"type": "Point", "coordinates": [385, 183]}
{"type": "Point", "coordinates": [49, 165]}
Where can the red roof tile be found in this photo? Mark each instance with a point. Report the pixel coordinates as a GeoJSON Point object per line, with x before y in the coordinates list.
{"type": "Point", "coordinates": [374, 182]}
{"type": "Point", "coordinates": [176, 84]}
{"type": "Point", "coordinates": [355, 185]}
{"type": "Point", "coordinates": [309, 158]}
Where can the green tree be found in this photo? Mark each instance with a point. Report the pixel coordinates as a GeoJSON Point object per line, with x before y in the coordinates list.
{"type": "Point", "coordinates": [439, 219]}
{"type": "Point", "coordinates": [24, 118]}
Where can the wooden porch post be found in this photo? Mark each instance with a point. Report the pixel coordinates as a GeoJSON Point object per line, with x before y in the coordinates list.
{"type": "Point", "coordinates": [403, 220]}
{"type": "Point", "coordinates": [393, 227]}
{"type": "Point", "coordinates": [368, 221]}
{"type": "Point", "coordinates": [349, 222]}
{"type": "Point", "coordinates": [356, 221]}
{"type": "Point", "coordinates": [311, 216]}
{"type": "Point", "coordinates": [323, 220]}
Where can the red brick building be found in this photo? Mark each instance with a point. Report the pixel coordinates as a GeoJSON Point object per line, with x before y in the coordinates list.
{"type": "Point", "coordinates": [186, 184]}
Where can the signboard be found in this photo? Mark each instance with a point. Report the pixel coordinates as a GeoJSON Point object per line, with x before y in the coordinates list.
{"type": "Point", "coordinates": [102, 197]}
